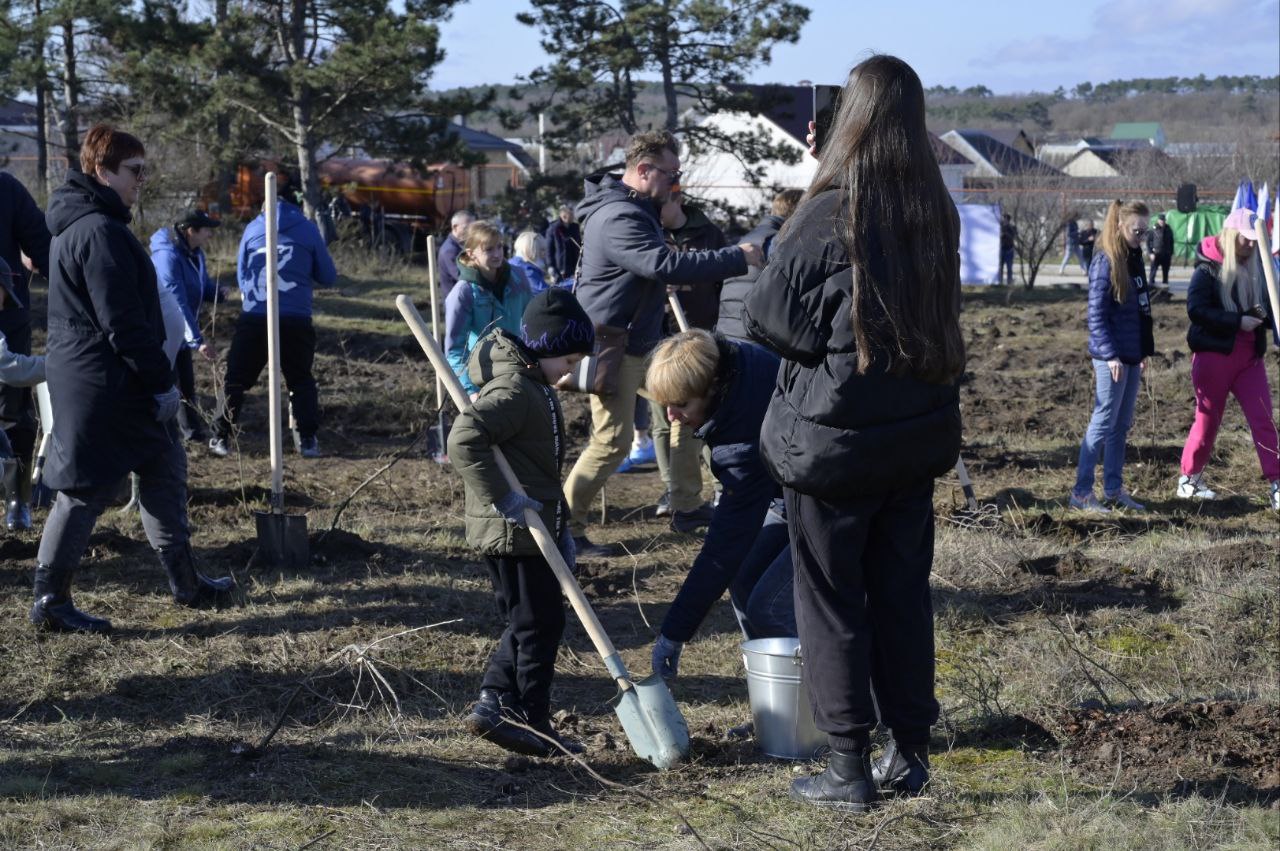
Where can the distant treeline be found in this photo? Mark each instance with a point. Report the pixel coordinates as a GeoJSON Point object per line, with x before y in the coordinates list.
{"type": "Point", "coordinates": [1223, 84]}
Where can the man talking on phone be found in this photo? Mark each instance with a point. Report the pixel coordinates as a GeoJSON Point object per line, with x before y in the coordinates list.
{"type": "Point", "coordinates": [625, 269]}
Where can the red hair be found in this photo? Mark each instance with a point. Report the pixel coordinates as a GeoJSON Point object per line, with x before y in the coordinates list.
{"type": "Point", "coordinates": [107, 147]}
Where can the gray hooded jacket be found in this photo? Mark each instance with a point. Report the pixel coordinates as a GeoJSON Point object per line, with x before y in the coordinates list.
{"type": "Point", "coordinates": [626, 263]}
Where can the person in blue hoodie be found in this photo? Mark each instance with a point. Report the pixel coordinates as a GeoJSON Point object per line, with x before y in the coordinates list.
{"type": "Point", "coordinates": [178, 255]}
{"type": "Point", "coordinates": [721, 388]}
{"type": "Point", "coordinates": [303, 262]}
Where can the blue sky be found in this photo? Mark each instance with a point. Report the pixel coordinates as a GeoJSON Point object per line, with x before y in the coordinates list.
{"type": "Point", "coordinates": [1006, 46]}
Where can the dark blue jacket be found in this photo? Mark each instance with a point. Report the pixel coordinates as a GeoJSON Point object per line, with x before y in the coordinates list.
{"type": "Point", "coordinates": [747, 374]}
{"type": "Point", "coordinates": [447, 265]}
{"type": "Point", "coordinates": [627, 263]}
{"type": "Point", "coordinates": [1119, 331]}
{"type": "Point", "coordinates": [303, 262]}
{"type": "Point", "coordinates": [182, 271]}
{"type": "Point", "coordinates": [22, 231]}
{"type": "Point", "coordinates": [563, 242]}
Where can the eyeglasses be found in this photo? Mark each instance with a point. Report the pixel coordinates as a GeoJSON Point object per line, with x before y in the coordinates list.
{"type": "Point", "coordinates": [139, 171]}
{"type": "Point", "coordinates": [673, 176]}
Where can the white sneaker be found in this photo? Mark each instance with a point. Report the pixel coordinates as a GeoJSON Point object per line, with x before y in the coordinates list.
{"type": "Point", "coordinates": [1275, 495]}
{"type": "Point", "coordinates": [1192, 487]}
{"type": "Point", "coordinates": [1088, 503]}
{"type": "Point", "coordinates": [1123, 500]}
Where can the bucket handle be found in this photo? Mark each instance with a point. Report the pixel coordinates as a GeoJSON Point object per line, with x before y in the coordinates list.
{"type": "Point", "coordinates": [796, 659]}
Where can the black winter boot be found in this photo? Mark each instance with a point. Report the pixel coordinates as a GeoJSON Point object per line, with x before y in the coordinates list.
{"type": "Point", "coordinates": [17, 515]}
{"type": "Point", "coordinates": [845, 785]}
{"type": "Point", "coordinates": [53, 609]}
{"type": "Point", "coordinates": [489, 719]}
{"type": "Point", "coordinates": [559, 743]}
{"type": "Point", "coordinates": [190, 587]}
{"type": "Point", "coordinates": [904, 771]}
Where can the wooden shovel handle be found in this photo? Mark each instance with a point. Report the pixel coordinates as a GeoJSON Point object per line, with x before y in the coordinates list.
{"type": "Point", "coordinates": [677, 309]}
{"type": "Point", "coordinates": [540, 534]}
{"type": "Point", "coordinates": [1269, 272]}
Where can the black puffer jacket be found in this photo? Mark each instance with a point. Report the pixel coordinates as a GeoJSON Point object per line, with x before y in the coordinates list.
{"type": "Point", "coordinates": [1214, 326]}
{"type": "Point", "coordinates": [106, 360]}
{"type": "Point", "coordinates": [830, 432]}
{"type": "Point", "coordinates": [734, 292]}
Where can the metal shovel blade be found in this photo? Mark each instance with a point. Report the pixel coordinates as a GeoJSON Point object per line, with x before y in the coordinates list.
{"type": "Point", "coordinates": [652, 721]}
{"type": "Point", "coordinates": [282, 539]}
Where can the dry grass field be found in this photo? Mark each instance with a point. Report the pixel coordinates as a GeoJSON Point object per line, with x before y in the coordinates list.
{"type": "Point", "coordinates": [1106, 682]}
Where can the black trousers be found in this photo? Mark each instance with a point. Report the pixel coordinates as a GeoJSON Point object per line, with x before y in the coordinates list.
{"type": "Point", "coordinates": [190, 420]}
{"type": "Point", "coordinates": [523, 665]}
{"type": "Point", "coordinates": [863, 612]}
{"type": "Point", "coordinates": [248, 356]}
{"type": "Point", "coordinates": [1162, 262]}
{"type": "Point", "coordinates": [17, 408]}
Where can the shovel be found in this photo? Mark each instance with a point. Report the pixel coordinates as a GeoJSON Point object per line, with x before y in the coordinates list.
{"type": "Point", "coordinates": [649, 715]}
{"type": "Point", "coordinates": [282, 538]}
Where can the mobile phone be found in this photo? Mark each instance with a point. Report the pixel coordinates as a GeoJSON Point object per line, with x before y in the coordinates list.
{"type": "Point", "coordinates": [826, 101]}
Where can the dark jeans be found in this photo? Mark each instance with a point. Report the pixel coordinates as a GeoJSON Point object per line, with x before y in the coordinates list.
{"type": "Point", "coordinates": [17, 408]}
{"type": "Point", "coordinates": [1161, 262]}
{"type": "Point", "coordinates": [763, 591]}
{"type": "Point", "coordinates": [524, 663]}
{"type": "Point", "coordinates": [162, 492]}
{"type": "Point", "coordinates": [1006, 263]}
{"type": "Point", "coordinates": [864, 614]}
{"type": "Point", "coordinates": [248, 356]}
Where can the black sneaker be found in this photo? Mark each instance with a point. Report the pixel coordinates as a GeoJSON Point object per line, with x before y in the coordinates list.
{"type": "Point", "coordinates": [690, 521]}
{"type": "Point", "coordinates": [583, 548]}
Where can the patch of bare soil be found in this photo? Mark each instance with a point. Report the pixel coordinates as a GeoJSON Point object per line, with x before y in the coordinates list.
{"type": "Point", "coordinates": [1215, 748]}
{"type": "Point", "coordinates": [1072, 580]}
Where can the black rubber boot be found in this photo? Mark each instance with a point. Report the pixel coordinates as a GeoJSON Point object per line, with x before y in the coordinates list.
{"type": "Point", "coordinates": [845, 785]}
{"type": "Point", "coordinates": [190, 587]}
{"type": "Point", "coordinates": [489, 719]}
{"type": "Point", "coordinates": [53, 609]}
{"type": "Point", "coordinates": [17, 514]}
{"type": "Point", "coordinates": [902, 771]}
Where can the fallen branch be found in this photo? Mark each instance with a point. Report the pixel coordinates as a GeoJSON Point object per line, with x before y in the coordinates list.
{"type": "Point", "coordinates": [342, 506]}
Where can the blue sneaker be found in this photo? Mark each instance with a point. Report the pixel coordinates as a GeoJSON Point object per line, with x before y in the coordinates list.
{"type": "Point", "coordinates": [640, 455]}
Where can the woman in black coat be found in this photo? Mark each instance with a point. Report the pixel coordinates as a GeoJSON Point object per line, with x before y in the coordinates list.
{"type": "Point", "coordinates": [110, 383]}
{"type": "Point", "coordinates": [861, 298]}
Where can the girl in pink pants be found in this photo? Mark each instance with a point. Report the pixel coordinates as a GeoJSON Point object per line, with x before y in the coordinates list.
{"type": "Point", "coordinates": [1230, 320]}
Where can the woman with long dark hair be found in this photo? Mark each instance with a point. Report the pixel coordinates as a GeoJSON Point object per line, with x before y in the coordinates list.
{"type": "Point", "coordinates": [1120, 339]}
{"type": "Point", "coordinates": [861, 298]}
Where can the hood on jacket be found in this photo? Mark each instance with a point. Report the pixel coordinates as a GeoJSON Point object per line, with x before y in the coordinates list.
{"type": "Point", "coordinates": [1208, 251]}
{"type": "Point", "coordinates": [499, 353]}
{"type": "Point", "coordinates": [600, 190]}
{"type": "Point", "coordinates": [83, 196]}
{"type": "Point", "coordinates": [166, 239]}
{"type": "Point", "coordinates": [696, 221]}
{"type": "Point", "coordinates": [288, 217]}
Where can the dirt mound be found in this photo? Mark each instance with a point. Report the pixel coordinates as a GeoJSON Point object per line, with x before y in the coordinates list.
{"type": "Point", "coordinates": [1073, 581]}
{"type": "Point", "coordinates": [1213, 748]}
{"type": "Point", "coordinates": [1242, 556]}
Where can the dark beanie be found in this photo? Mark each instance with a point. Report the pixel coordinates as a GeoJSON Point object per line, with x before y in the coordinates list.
{"type": "Point", "coordinates": [555, 324]}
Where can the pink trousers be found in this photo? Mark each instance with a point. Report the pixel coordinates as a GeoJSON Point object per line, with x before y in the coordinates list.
{"type": "Point", "coordinates": [1244, 376]}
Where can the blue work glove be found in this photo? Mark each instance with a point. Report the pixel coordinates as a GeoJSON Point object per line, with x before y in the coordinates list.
{"type": "Point", "coordinates": [666, 657]}
{"type": "Point", "coordinates": [512, 508]}
{"type": "Point", "coordinates": [568, 551]}
{"type": "Point", "coordinates": [167, 405]}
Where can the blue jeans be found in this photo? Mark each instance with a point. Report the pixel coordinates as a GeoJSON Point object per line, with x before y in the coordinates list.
{"type": "Point", "coordinates": [1006, 262]}
{"type": "Point", "coordinates": [1113, 404]}
{"type": "Point", "coordinates": [762, 593]}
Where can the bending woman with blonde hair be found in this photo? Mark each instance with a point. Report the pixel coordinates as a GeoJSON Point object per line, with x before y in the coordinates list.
{"type": "Point", "coordinates": [1120, 339]}
{"type": "Point", "coordinates": [1228, 306]}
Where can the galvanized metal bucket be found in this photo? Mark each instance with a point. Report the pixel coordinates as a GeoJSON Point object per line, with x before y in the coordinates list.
{"type": "Point", "coordinates": [779, 702]}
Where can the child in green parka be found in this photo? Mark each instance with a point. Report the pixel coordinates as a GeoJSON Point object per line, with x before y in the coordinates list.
{"type": "Point", "coordinates": [517, 409]}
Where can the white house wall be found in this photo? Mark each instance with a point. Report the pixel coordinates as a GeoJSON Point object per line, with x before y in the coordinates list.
{"type": "Point", "coordinates": [720, 176]}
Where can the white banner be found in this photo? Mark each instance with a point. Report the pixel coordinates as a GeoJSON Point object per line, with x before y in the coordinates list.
{"type": "Point", "coordinates": [979, 243]}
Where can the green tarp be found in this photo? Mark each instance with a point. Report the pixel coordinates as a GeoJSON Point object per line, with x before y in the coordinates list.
{"type": "Point", "coordinates": [1190, 228]}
